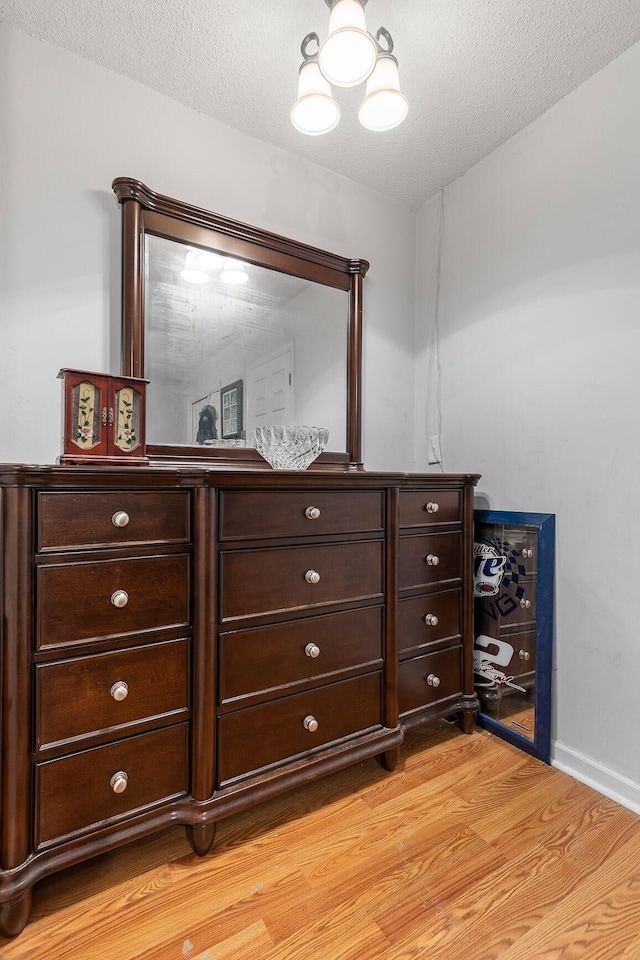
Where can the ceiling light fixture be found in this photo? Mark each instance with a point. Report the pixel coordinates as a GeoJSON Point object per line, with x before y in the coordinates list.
{"type": "Point", "coordinates": [315, 111]}
{"type": "Point", "coordinates": [384, 106]}
{"type": "Point", "coordinates": [348, 56]}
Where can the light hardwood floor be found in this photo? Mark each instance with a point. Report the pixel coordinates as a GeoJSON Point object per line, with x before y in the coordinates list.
{"type": "Point", "coordinates": [469, 851]}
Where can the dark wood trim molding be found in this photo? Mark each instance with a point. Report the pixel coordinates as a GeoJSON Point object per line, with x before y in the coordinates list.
{"type": "Point", "coordinates": [125, 188]}
{"type": "Point", "coordinates": [354, 372]}
{"type": "Point", "coordinates": [132, 289]}
{"type": "Point", "coordinates": [16, 665]}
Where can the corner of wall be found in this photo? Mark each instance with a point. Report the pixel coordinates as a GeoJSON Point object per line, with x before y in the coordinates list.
{"type": "Point", "coordinates": [429, 221]}
{"type": "Point", "coordinates": [594, 774]}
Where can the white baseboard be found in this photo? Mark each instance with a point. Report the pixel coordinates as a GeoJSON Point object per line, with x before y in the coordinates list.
{"type": "Point", "coordinates": [587, 770]}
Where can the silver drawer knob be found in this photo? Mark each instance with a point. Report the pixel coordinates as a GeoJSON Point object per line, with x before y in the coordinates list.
{"type": "Point", "coordinates": [432, 507]}
{"type": "Point", "coordinates": [120, 598]}
{"type": "Point", "coordinates": [119, 782]}
{"type": "Point", "coordinates": [120, 690]}
{"type": "Point", "coordinates": [432, 560]}
{"type": "Point", "coordinates": [312, 513]}
{"type": "Point", "coordinates": [431, 620]}
{"type": "Point", "coordinates": [527, 553]}
{"type": "Point", "coordinates": [433, 681]}
{"type": "Point", "coordinates": [524, 655]}
{"type": "Point", "coordinates": [120, 518]}
{"type": "Point", "coordinates": [312, 576]}
{"type": "Point", "coordinates": [310, 723]}
{"type": "Point", "coordinates": [312, 650]}
{"type": "Point", "coordinates": [525, 604]}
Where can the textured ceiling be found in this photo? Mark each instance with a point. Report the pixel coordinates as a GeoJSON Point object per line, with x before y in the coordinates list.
{"type": "Point", "coordinates": [475, 71]}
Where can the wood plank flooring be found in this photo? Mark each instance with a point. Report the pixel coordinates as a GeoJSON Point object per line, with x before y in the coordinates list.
{"type": "Point", "coordinates": [471, 850]}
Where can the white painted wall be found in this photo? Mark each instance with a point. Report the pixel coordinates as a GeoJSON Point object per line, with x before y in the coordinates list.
{"type": "Point", "coordinates": [539, 319]}
{"type": "Point", "coordinates": [68, 128]}
{"type": "Point", "coordinates": [539, 305]}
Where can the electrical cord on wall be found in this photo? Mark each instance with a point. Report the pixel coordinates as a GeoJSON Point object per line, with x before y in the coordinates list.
{"type": "Point", "coordinates": [434, 368]}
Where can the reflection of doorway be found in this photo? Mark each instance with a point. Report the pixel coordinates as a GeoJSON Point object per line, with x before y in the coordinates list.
{"type": "Point", "coordinates": [269, 389]}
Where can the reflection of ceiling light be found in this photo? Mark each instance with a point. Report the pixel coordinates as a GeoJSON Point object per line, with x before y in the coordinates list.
{"type": "Point", "coordinates": [348, 56]}
{"type": "Point", "coordinates": [198, 263]}
{"type": "Point", "coordinates": [234, 272]}
{"type": "Point", "coordinates": [207, 260]}
{"type": "Point", "coordinates": [194, 276]}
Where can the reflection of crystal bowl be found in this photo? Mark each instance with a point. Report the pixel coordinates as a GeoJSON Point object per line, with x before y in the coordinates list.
{"type": "Point", "coordinates": [290, 448]}
{"type": "Point", "coordinates": [229, 444]}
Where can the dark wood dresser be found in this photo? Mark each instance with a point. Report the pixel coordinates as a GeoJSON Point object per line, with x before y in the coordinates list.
{"type": "Point", "coordinates": [180, 642]}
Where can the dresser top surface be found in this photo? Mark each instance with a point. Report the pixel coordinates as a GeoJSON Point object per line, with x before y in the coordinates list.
{"type": "Point", "coordinates": [73, 476]}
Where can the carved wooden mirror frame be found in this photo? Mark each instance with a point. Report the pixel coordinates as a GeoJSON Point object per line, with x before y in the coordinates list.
{"type": "Point", "coordinates": [144, 211]}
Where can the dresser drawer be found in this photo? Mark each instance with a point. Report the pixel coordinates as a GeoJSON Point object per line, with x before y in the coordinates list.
{"type": "Point", "coordinates": [73, 520]}
{"type": "Point", "coordinates": [427, 679]}
{"type": "Point", "coordinates": [426, 619]}
{"type": "Point", "coordinates": [298, 513]}
{"type": "Point", "coordinates": [421, 507]}
{"type": "Point", "coordinates": [76, 792]}
{"type": "Point", "coordinates": [427, 559]}
{"type": "Point", "coordinates": [108, 691]}
{"type": "Point", "coordinates": [78, 601]}
{"type": "Point", "coordinates": [265, 581]}
{"type": "Point", "coordinates": [265, 658]}
{"type": "Point", "coordinates": [257, 737]}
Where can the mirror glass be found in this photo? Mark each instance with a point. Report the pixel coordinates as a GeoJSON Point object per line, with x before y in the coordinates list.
{"type": "Point", "coordinates": [230, 345]}
{"type": "Point", "coordinates": [513, 600]}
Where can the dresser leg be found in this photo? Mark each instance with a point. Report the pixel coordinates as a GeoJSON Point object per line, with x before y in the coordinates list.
{"type": "Point", "coordinates": [201, 838]}
{"type": "Point", "coordinates": [389, 759]}
{"type": "Point", "coordinates": [14, 914]}
{"type": "Point", "coordinates": [467, 719]}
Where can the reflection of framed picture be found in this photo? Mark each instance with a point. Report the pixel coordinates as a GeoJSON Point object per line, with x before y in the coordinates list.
{"type": "Point", "coordinates": [231, 407]}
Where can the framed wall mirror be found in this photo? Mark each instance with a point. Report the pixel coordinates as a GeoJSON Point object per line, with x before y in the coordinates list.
{"type": "Point", "coordinates": [235, 328]}
{"type": "Point", "coordinates": [513, 632]}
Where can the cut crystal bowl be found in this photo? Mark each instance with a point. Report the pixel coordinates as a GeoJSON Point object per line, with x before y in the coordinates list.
{"type": "Point", "coordinates": [290, 447]}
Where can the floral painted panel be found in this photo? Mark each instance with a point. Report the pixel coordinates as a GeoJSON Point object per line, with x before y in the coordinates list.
{"type": "Point", "coordinates": [128, 405]}
{"type": "Point", "coordinates": [87, 420]}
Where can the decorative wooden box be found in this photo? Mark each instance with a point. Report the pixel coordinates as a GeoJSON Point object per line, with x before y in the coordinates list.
{"type": "Point", "coordinates": [103, 418]}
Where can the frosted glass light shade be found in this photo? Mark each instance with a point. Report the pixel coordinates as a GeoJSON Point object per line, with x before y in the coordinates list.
{"type": "Point", "coordinates": [384, 106]}
{"type": "Point", "coordinates": [348, 54]}
{"type": "Point", "coordinates": [315, 111]}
